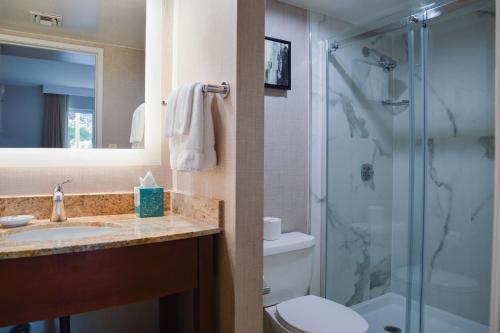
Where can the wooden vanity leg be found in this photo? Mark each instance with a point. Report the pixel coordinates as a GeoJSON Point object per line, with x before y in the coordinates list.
{"type": "Point", "coordinates": [204, 314]}
{"type": "Point", "coordinates": [169, 313]}
{"type": "Point", "coordinates": [172, 307]}
{"type": "Point", "coordinates": [64, 324]}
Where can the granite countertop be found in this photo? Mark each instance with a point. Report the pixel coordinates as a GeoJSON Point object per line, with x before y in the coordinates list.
{"type": "Point", "coordinates": [127, 230]}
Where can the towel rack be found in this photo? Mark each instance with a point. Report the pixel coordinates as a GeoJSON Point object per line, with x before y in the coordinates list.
{"type": "Point", "coordinates": [224, 89]}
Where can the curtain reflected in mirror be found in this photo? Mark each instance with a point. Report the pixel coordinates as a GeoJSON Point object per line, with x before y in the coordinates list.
{"type": "Point", "coordinates": [55, 115]}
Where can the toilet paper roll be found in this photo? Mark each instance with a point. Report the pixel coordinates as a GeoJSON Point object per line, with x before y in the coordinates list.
{"type": "Point", "coordinates": [272, 228]}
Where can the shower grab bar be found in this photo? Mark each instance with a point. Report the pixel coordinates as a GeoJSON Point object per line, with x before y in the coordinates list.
{"type": "Point", "coordinates": [223, 89]}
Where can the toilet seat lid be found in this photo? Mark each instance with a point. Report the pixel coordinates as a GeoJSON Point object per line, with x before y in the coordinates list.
{"type": "Point", "coordinates": [310, 313]}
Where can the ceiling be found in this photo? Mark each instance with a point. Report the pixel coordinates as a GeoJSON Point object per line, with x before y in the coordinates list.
{"type": "Point", "coordinates": [48, 54]}
{"type": "Point", "coordinates": [120, 22]}
{"type": "Point", "coordinates": [358, 12]}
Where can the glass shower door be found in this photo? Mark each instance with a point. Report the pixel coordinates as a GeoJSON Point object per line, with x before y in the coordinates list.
{"type": "Point", "coordinates": [459, 180]}
{"type": "Point", "coordinates": [369, 184]}
{"type": "Point", "coordinates": [410, 160]}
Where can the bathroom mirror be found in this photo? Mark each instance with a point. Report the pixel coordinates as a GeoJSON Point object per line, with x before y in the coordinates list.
{"type": "Point", "coordinates": [72, 74]}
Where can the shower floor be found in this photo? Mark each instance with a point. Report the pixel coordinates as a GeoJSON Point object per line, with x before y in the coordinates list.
{"type": "Point", "coordinates": [389, 310]}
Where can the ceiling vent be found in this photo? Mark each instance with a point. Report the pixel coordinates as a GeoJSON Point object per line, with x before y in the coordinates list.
{"type": "Point", "coordinates": [47, 20]}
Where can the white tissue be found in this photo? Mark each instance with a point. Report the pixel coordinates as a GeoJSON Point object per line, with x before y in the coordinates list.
{"type": "Point", "coordinates": [272, 228]}
{"type": "Point", "coordinates": [148, 180]}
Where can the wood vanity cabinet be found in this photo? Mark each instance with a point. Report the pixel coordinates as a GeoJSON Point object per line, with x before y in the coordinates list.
{"type": "Point", "coordinates": [51, 286]}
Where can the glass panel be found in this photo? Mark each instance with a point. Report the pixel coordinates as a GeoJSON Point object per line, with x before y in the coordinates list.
{"type": "Point", "coordinates": [409, 235]}
{"type": "Point", "coordinates": [368, 201]}
{"type": "Point", "coordinates": [459, 176]}
{"type": "Point", "coordinates": [410, 161]}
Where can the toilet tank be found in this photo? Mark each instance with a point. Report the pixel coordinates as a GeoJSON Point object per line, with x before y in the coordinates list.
{"type": "Point", "coordinates": [288, 264]}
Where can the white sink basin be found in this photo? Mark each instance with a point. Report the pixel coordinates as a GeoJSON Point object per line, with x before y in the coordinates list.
{"type": "Point", "coordinates": [60, 233]}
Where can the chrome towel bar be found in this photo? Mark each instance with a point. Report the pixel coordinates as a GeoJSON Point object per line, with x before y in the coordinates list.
{"type": "Point", "coordinates": [223, 89]}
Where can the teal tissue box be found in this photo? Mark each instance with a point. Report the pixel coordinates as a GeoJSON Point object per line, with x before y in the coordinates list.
{"type": "Point", "coordinates": [148, 201]}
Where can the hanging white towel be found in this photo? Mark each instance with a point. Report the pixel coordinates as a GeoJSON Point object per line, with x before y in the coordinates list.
{"type": "Point", "coordinates": [209, 154]}
{"type": "Point", "coordinates": [195, 151]}
{"type": "Point", "coordinates": [178, 117]}
{"type": "Point", "coordinates": [170, 113]}
{"type": "Point", "coordinates": [137, 128]}
{"type": "Point", "coordinates": [184, 109]}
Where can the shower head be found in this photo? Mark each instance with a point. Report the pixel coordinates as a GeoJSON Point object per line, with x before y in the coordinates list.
{"type": "Point", "coordinates": [387, 63]}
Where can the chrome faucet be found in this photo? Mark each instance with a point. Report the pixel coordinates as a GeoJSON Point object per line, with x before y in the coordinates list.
{"type": "Point", "coordinates": [58, 211]}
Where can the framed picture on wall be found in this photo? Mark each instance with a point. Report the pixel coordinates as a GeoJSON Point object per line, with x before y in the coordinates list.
{"type": "Point", "coordinates": [278, 60]}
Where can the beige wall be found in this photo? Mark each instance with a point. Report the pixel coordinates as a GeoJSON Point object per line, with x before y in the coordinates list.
{"type": "Point", "coordinates": [219, 41]}
{"type": "Point", "coordinates": [26, 181]}
{"type": "Point", "coordinates": [123, 82]}
{"type": "Point", "coordinates": [286, 138]}
{"type": "Point", "coordinates": [123, 92]}
{"type": "Point", "coordinates": [123, 85]}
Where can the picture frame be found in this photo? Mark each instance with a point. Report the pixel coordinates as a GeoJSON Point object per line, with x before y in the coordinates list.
{"type": "Point", "coordinates": [278, 64]}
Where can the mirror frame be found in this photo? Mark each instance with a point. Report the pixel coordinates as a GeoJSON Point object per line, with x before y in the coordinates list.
{"type": "Point", "coordinates": [150, 155]}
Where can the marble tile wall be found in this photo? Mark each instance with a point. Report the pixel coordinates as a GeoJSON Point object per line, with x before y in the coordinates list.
{"type": "Point", "coordinates": [321, 28]}
{"type": "Point", "coordinates": [359, 182]}
{"type": "Point", "coordinates": [359, 134]}
{"type": "Point", "coordinates": [495, 289]}
{"type": "Point", "coordinates": [367, 221]}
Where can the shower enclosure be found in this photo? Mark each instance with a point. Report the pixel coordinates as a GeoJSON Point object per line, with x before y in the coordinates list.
{"type": "Point", "coordinates": [408, 210]}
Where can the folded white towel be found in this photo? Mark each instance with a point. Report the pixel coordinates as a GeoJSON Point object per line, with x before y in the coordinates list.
{"type": "Point", "coordinates": [195, 151]}
{"type": "Point", "coordinates": [137, 128]}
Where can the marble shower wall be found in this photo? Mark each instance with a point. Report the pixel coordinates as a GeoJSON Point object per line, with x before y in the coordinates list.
{"type": "Point", "coordinates": [367, 221]}
{"type": "Point", "coordinates": [320, 27]}
{"type": "Point", "coordinates": [359, 180]}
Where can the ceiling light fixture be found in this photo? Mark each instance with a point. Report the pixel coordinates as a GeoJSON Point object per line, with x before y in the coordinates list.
{"type": "Point", "coordinates": [47, 20]}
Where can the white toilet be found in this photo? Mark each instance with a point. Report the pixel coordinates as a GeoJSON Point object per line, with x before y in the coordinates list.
{"type": "Point", "coordinates": [288, 264]}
